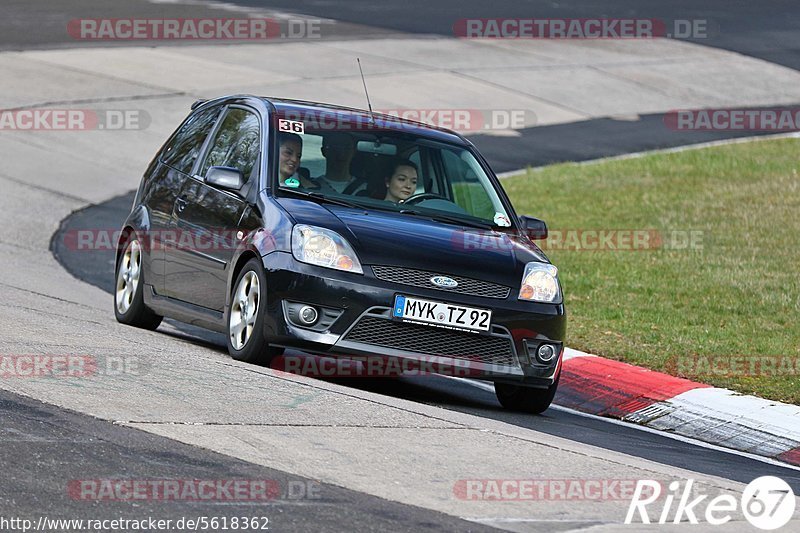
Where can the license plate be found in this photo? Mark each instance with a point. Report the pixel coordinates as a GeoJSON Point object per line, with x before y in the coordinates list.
{"type": "Point", "coordinates": [441, 314]}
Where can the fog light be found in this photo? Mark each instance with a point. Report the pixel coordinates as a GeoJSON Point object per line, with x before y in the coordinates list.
{"type": "Point", "coordinates": [308, 315]}
{"type": "Point", "coordinates": [546, 353]}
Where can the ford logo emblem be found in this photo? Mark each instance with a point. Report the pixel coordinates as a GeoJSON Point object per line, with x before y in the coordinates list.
{"type": "Point", "coordinates": [444, 282]}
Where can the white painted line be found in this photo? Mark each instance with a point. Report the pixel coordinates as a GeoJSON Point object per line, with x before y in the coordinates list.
{"type": "Point", "coordinates": [524, 520]}
{"type": "Point", "coordinates": [252, 12]}
{"type": "Point", "coordinates": [681, 438]}
{"type": "Point", "coordinates": [740, 405]}
{"type": "Point", "coordinates": [570, 353]}
{"type": "Point", "coordinates": [738, 421]}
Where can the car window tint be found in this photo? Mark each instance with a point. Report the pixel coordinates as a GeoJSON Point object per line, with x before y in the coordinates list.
{"type": "Point", "coordinates": [182, 151]}
{"type": "Point", "coordinates": [454, 178]}
{"type": "Point", "coordinates": [236, 143]}
{"type": "Point", "coordinates": [468, 192]}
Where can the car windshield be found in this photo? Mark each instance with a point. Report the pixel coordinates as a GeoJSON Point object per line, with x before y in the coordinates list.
{"type": "Point", "coordinates": [387, 166]}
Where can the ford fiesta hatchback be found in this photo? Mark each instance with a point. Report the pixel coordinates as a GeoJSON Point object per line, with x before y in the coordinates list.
{"type": "Point", "coordinates": [343, 233]}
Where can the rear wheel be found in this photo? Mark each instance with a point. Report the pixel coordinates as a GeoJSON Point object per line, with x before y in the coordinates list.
{"type": "Point", "coordinates": [129, 306]}
{"type": "Point", "coordinates": [246, 339]}
{"type": "Point", "coordinates": [526, 399]}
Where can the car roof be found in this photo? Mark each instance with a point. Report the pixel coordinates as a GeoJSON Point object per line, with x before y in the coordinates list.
{"type": "Point", "coordinates": [301, 108]}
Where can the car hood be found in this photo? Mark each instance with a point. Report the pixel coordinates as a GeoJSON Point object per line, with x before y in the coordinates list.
{"type": "Point", "coordinates": [394, 239]}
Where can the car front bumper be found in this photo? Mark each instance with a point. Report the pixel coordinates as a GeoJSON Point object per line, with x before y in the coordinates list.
{"type": "Point", "coordinates": [360, 307]}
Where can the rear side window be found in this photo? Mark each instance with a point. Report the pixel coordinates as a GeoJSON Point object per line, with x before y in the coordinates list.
{"type": "Point", "coordinates": [184, 147]}
{"type": "Point", "coordinates": [236, 144]}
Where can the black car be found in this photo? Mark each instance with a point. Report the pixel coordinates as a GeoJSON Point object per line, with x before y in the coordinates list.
{"type": "Point", "coordinates": [342, 232]}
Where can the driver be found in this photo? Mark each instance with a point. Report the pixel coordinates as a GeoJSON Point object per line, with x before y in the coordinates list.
{"type": "Point", "coordinates": [402, 182]}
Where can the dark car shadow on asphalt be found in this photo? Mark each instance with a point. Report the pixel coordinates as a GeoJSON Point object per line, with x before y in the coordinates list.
{"type": "Point", "coordinates": [410, 389]}
{"type": "Point", "coordinates": [429, 389]}
{"type": "Point", "coordinates": [193, 334]}
{"type": "Point", "coordinates": [426, 388]}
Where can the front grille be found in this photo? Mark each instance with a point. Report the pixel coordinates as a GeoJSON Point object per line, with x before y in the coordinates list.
{"type": "Point", "coordinates": [422, 278]}
{"type": "Point", "coordinates": [429, 340]}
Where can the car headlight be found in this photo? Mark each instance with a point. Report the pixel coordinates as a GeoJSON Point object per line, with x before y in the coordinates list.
{"type": "Point", "coordinates": [323, 247]}
{"type": "Point", "coordinates": [540, 283]}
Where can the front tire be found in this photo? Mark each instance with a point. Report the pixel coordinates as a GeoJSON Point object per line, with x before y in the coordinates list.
{"type": "Point", "coordinates": [129, 307]}
{"type": "Point", "coordinates": [526, 399]}
{"type": "Point", "coordinates": [246, 339]}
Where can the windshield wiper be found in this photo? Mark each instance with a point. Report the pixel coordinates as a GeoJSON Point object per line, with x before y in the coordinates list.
{"type": "Point", "coordinates": [320, 196]}
{"type": "Point", "coordinates": [433, 216]}
{"type": "Point", "coordinates": [447, 218]}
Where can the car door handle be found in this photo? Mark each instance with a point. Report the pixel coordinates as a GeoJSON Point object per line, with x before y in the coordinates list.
{"type": "Point", "coordinates": [180, 204]}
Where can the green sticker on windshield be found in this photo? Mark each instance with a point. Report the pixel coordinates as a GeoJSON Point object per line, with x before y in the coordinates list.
{"type": "Point", "coordinates": [292, 182]}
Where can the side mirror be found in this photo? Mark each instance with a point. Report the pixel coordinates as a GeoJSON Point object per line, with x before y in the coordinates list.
{"type": "Point", "coordinates": [534, 228]}
{"type": "Point", "coordinates": [225, 178]}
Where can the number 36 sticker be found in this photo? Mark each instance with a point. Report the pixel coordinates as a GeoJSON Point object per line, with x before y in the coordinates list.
{"type": "Point", "coordinates": [291, 126]}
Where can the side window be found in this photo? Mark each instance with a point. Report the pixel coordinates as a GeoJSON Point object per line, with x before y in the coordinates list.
{"type": "Point", "coordinates": [236, 144]}
{"type": "Point", "coordinates": [467, 189]}
{"type": "Point", "coordinates": [182, 151]}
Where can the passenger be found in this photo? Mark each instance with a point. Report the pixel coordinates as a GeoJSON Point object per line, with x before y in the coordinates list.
{"type": "Point", "coordinates": [290, 150]}
{"type": "Point", "coordinates": [402, 182]}
{"type": "Point", "coordinates": [339, 149]}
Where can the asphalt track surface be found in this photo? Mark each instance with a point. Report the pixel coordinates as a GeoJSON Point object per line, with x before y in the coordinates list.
{"type": "Point", "coordinates": [59, 445]}
{"type": "Point", "coordinates": [97, 268]}
{"type": "Point", "coordinates": [95, 448]}
{"type": "Point", "coordinates": [766, 30]}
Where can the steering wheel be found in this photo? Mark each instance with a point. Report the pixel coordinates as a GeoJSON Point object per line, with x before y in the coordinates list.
{"type": "Point", "coordinates": [417, 198]}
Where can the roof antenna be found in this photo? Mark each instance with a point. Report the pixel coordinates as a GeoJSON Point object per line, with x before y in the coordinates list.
{"type": "Point", "coordinates": [371, 118]}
